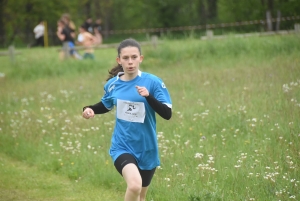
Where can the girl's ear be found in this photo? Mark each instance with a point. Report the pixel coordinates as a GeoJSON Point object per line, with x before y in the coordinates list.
{"type": "Point", "coordinates": [118, 60]}
{"type": "Point", "coordinates": [141, 58]}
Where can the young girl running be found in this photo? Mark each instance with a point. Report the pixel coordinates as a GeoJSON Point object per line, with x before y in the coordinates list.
{"type": "Point", "coordinates": [137, 96]}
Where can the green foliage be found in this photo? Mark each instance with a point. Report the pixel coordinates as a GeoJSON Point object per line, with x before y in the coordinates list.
{"type": "Point", "coordinates": [20, 17]}
{"type": "Point", "coordinates": [234, 133]}
{"type": "Point", "coordinates": [234, 11]}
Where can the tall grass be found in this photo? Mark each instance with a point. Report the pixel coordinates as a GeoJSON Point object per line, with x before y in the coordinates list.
{"type": "Point", "coordinates": [234, 134]}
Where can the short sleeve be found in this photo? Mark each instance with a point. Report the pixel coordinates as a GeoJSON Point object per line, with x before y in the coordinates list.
{"type": "Point", "coordinates": [107, 98]}
{"type": "Point", "coordinates": [161, 93]}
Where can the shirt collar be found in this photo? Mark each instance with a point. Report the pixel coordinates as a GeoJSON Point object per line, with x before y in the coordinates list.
{"type": "Point", "coordinates": [122, 73]}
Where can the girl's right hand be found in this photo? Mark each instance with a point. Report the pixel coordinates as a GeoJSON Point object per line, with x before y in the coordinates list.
{"type": "Point", "coordinates": [88, 113]}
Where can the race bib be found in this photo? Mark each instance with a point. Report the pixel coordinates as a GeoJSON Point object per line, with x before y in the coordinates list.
{"type": "Point", "coordinates": [131, 111]}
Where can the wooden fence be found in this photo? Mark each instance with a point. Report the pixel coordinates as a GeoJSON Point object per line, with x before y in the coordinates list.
{"type": "Point", "coordinates": [154, 41]}
{"type": "Point", "coordinates": [210, 34]}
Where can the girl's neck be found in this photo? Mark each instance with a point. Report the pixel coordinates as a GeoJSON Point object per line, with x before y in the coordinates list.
{"type": "Point", "coordinates": [128, 77]}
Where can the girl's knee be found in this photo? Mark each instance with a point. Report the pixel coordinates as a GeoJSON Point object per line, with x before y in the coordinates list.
{"type": "Point", "coordinates": [135, 187]}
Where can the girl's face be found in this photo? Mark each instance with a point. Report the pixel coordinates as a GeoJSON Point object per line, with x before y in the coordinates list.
{"type": "Point", "coordinates": [130, 60]}
{"type": "Point", "coordinates": [59, 24]}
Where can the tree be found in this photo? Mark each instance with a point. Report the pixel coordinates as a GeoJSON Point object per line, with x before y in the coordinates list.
{"type": "Point", "coordinates": [2, 17]}
{"type": "Point", "coordinates": [22, 16]}
{"type": "Point", "coordinates": [18, 18]}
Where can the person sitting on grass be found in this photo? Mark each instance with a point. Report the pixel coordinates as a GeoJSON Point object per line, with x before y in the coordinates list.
{"type": "Point", "coordinates": [87, 40]}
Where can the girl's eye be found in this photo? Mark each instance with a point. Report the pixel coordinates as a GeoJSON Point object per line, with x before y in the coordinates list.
{"type": "Point", "coordinates": [132, 57]}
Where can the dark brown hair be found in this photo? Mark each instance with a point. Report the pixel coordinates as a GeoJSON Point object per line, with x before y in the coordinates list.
{"type": "Point", "coordinates": [125, 43]}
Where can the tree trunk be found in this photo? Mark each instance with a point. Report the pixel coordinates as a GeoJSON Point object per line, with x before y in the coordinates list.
{"type": "Point", "coordinates": [88, 9]}
{"type": "Point", "coordinates": [270, 5]}
{"type": "Point", "coordinates": [269, 20]}
{"type": "Point", "coordinates": [278, 20]}
{"type": "Point", "coordinates": [2, 26]}
{"type": "Point", "coordinates": [109, 8]}
{"type": "Point", "coordinates": [106, 23]}
{"type": "Point", "coordinates": [202, 11]}
{"type": "Point", "coordinates": [97, 9]}
{"type": "Point", "coordinates": [28, 28]}
{"type": "Point", "coordinates": [212, 9]}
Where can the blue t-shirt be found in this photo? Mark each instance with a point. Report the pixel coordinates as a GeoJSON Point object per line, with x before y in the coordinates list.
{"type": "Point", "coordinates": [135, 128]}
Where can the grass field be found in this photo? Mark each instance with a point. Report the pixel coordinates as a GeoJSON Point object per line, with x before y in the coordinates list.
{"type": "Point", "coordinates": [234, 134]}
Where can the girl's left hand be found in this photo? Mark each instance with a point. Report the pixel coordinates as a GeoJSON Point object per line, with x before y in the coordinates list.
{"type": "Point", "coordinates": [143, 91]}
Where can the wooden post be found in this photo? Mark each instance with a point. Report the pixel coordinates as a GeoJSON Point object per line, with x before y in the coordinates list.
{"type": "Point", "coordinates": [297, 28]}
{"type": "Point", "coordinates": [45, 34]}
{"type": "Point", "coordinates": [11, 52]}
{"type": "Point", "coordinates": [154, 41]}
{"type": "Point", "coordinates": [161, 33]}
{"type": "Point", "coordinates": [66, 50]}
{"type": "Point", "coordinates": [147, 36]}
{"type": "Point", "coordinates": [209, 34]}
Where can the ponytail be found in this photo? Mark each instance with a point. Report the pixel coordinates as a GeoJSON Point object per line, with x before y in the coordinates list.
{"type": "Point", "coordinates": [114, 71]}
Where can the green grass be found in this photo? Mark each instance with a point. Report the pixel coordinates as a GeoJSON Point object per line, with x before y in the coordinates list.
{"type": "Point", "coordinates": [234, 134]}
{"type": "Point", "coordinates": [21, 182]}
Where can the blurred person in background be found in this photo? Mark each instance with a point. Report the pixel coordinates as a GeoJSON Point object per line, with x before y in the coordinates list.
{"type": "Point", "coordinates": [98, 31]}
{"type": "Point", "coordinates": [87, 40]}
{"type": "Point", "coordinates": [71, 25]}
{"type": "Point", "coordinates": [64, 34]}
{"type": "Point", "coordinates": [39, 34]}
{"type": "Point", "coordinates": [88, 24]}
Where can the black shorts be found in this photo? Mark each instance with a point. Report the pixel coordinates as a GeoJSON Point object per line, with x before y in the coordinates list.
{"type": "Point", "coordinates": [125, 159]}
